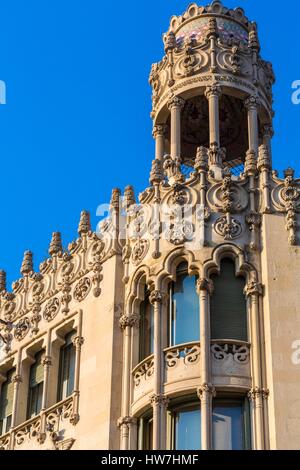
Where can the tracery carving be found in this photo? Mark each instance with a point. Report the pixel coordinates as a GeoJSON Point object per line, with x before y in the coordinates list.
{"type": "Point", "coordinates": [228, 227]}
{"type": "Point", "coordinates": [239, 353]}
{"type": "Point", "coordinates": [189, 354]}
{"type": "Point", "coordinates": [144, 370]}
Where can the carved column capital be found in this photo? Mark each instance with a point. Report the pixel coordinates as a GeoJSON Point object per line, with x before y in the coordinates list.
{"type": "Point", "coordinates": [204, 389]}
{"type": "Point", "coordinates": [17, 379]}
{"type": "Point", "coordinates": [159, 130]}
{"type": "Point", "coordinates": [126, 421]}
{"type": "Point", "coordinates": [253, 288]}
{"type": "Point", "coordinates": [131, 320]}
{"type": "Point", "coordinates": [159, 399]}
{"type": "Point", "coordinates": [252, 102]}
{"type": "Point", "coordinates": [47, 361]}
{"type": "Point", "coordinates": [78, 341]}
{"type": "Point", "coordinates": [157, 296]}
{"type": "Point", "coordinates": [258, 393]}
{"type": "Point", "coordinates": [214, 90]}
{"type": "Point", "coordinates": [204, 284]}
{"type": "Point", "coordinates": [176, 102]}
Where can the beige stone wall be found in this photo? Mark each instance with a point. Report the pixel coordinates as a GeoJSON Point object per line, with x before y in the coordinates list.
{"type": "Point", "coordinates": [281, 277]}
{"type": "Point", "coordinates": [101, 365]}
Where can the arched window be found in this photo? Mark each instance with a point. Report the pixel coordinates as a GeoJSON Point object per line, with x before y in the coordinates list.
{"type": "Point", "coordinates": [184, 321]}
{"type": "Point", "coordinates": [146, 343]}
{"type": "Point", "coordinates": [66, 367]}
{"type": "Point", "coordinates": [228, 305]}
{"type": "Point", "coordinates": [6, 402]}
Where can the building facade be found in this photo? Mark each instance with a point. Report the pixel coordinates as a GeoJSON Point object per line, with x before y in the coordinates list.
{"type": "Point", "coordinates": [176, 325]}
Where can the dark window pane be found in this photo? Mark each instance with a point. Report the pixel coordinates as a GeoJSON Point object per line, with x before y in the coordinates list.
{"type": "Point", "coordinates": [67, 368]}
{"type": "Point", "coordinates": [146, 328]}
{"type": "Point", "coordinates": [185, 321]}
{"type": "Point", "coordinates": [36, 386]}
{"type": "Point", "coordinates": [188, 430]}
{"type": "Point", "coordinates": [228, 305]}
{"type": "Point", "coordinates": [7, 395]}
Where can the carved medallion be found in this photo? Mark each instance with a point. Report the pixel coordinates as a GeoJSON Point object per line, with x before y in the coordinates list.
{"type": "Point", "coordinates": [51, 309]}
{"type": "Point", "coordinates": [82, 289]}
{"type": "Point", "coordinates": [229, 229]}
{"type": "Point", "coordinates": [139, 251]}
{"type": "Point", "coordinates": [22, 329]}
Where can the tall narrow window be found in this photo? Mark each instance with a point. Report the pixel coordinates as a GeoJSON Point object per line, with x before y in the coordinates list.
{"type": "Point", "coordinates": [146, 328]}
{"type": "Point", "coordinates": [184, 321]}
{"type": "Point", "coordinates": [228, 305]}
{"type": "Point", "coordinates": [66, 368]}
{"type": "Point", "coordinates": [145, 433]}
{"type": "Point", "coordinates": [36, 385]}
{"type": "Point", "coordinates": [186, 427]}
{"type": "Point", "coordinates": [6, 402]}
{"type": "Point", "coordinates": [231, 425]}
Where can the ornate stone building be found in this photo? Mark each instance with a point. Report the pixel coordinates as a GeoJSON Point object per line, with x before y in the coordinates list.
{"type": "Point", "coordinates": [173, 326]}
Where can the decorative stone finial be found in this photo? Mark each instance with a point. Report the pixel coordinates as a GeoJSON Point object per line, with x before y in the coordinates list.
{"type": "Point", "coordinates": [253, 38]}
{"type": "Point", "coordinates": [27, 263]}
{"type": "Point", "coordinates": [212, 28]}
{"type": "Point", "coordinates": [250, 163]}
{"type": "Point", "coordinates": [2, 281]}
{"type": "Point", "coordinates": [264, 161]}
{"type": "Point", "coordinates": [84, 223]}
{"type": "Point", "coordinates": [156, 174]}
{"type": "Point", "coordinates": [129, 198]}
{"type": "Point", "coordinates": [216, 155]}
{"type": "Point", "coordinates": [115, 198]}
{"type": "Point", "coordinates": [201, 161]}
{"type": "Point", "coordinates": [170, 41]}
{"type": "Point", "coordinates": [55, 244]}
{"type": "Point", "coordinates": [289, 173]}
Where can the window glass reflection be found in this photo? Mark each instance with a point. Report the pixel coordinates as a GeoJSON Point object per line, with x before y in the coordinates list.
{"type": "Point", "coordinates": [231, 428]}
{"type": "Point", "coordinates": [184, 310]}
{"type": "Point", "coordinates": [188, 429]}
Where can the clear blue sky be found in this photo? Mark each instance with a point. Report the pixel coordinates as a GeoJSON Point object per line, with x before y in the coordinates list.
{"type": "Point", "coordinates": [76, 123]}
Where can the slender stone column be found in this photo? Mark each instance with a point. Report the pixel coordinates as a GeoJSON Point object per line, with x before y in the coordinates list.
{"type": "Point", "coordinates": [78, 343]}
{"type": "Point", "coordinates": [264, 167]}
{"type": "Point", "coordinates": [157, 400]}
{"type": "Point", "coordinates": [206, 390]}
{"type": "Point", "coordinates": [159, 134]}
{"type": "Point", "coordinates": [253, 290]}
{"type": "Point", "coordinates": [212, 94]}
{"type": "Point", "coordinates": [17, 380]}
{"type": "Point", "coordinates": [251, 104]}
{"type": "Point", "coordinates": [175, 105]}
{"type": "Point", "coordinates": [126, 323]}
{"type": "Point", "coordinates": [268, 133]}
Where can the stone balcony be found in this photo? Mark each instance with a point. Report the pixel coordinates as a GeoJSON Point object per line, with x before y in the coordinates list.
{"type": "Point", "coordinates": [52, 429]}
{"type": "Point", "coordinates": [230, 367]}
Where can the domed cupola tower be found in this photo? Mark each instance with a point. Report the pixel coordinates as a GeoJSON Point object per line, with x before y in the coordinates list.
{"type": "Point", "coordinates": [212, 89]}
